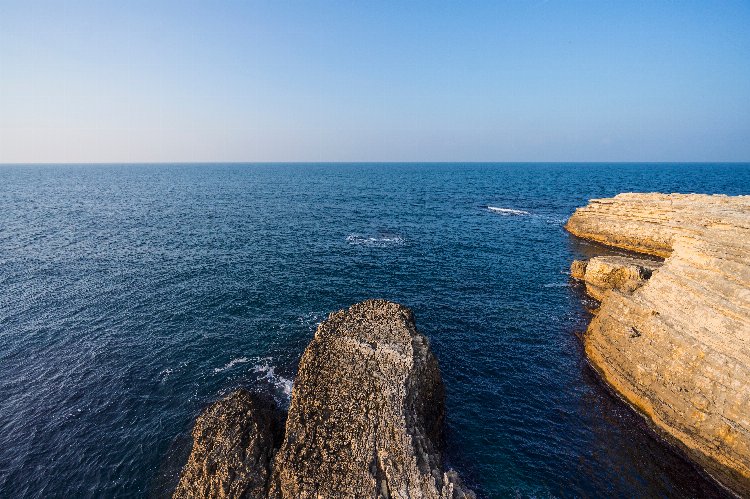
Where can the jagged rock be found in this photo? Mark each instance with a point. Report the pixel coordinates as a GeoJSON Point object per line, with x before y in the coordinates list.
{"type": "Point", "coordinates": [678, 347]}
{"type": "Point", "coordinates": [367, 410]}
{"type": "Point", "coordinates": [366, 420]}
{"type": "Point", "coordinates": [233, 445]}
{"type": "Point", "coordinates": [604, 273]}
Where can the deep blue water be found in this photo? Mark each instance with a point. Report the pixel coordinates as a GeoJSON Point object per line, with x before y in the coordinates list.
{"type": "Point", "coordinates": [133, 295]}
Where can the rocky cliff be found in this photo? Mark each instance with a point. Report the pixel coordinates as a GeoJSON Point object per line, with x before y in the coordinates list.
{"type": "Point", "coordinates": [677, 345]}
{"type": "Point", "coordinates": [366, 420]}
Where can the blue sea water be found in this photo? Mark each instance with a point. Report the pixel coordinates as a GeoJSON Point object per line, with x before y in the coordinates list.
{"type": "Point", "coordinates": [133, 295]}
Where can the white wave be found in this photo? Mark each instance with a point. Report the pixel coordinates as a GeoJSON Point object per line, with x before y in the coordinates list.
{"type": "Point", "coordinates": [280, 383]}
{"type": "Point", "coordinates": [378, 241]}
{"type": "Point", "coordinates": [231, 364]}
{"type": "Point", "coordinates": [557, 285]}
{"type": "Point", "coordinates": [507, 211]}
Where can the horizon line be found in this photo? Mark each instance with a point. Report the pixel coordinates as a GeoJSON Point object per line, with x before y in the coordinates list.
{"type": "Point", "coordinates": [356, 162]}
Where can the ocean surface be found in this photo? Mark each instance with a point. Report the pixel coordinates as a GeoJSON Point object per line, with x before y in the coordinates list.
{"type": "Point", "coordinates": [131, 296]}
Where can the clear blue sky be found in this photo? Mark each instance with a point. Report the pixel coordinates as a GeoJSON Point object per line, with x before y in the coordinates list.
{"type": "Point", "coordinates": [374, 81]}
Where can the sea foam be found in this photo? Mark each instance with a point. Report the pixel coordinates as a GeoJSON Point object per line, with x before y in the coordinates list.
{"type": "Point", "coordinates": [231, 364]}
{"type": "Point", "coordinates": [282, 385]}
{"type": "Point", "coordinates": [375, 241]}
{"type": "Point", "coordinates": [507, 211]}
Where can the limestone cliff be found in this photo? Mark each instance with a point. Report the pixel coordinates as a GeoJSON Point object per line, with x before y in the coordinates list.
{"type": "Point", "coordinates": [678, 347]}
{"type": "Point", "coordinates": [366, 420]}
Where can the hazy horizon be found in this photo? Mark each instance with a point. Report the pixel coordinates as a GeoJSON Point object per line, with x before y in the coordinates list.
{"type": "Point", "coordinates": [198, 163]}
{"type": "Point", "coordinates": [257, 82]}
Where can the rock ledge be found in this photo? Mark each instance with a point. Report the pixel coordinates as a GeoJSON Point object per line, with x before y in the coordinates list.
{"type": "Point", "coordinates": [604, 273]}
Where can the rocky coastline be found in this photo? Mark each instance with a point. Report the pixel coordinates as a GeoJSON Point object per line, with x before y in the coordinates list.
{"type": "Point", "coordinates": [671, 336]}
{"type": "Point", "coordinates": [365, 420]}
{"type": "Point", "coordinates": [673, 339]}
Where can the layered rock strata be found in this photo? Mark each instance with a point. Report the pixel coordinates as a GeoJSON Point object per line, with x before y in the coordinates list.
{"type": "Point", "coordinates": [677, 347]}
{"type": "Point", "coordinates": [365, 420]}
{"type": "Point", "coordinates": [603, 273]}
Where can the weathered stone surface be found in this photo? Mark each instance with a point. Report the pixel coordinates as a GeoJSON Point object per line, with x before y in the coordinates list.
{"type": "Point", "coordinates": [678, 348]}
{"type": "Point", "coordinates": [578, 269]}
{"type": "Point", "coordinates": [233, 445]}
{"type": "Point", "coordinates": [604, 273]}
{"type": "Point", "coordinates": [366, 416]}
{"type": "Point", "coordinates": [366, 420]}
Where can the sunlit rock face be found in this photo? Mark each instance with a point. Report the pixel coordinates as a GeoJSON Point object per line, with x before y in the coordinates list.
{"type": "Point", "coordinates": [676, 345]}
{"type": "Point", "coordinates": [623, 274]}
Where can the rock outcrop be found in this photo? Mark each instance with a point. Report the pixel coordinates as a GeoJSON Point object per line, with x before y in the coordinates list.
{"type": "Point", "coordinates": [677, 347]}
{"type": "Point", "coordinates": [365, 420]}
{"type": "Point", "coordinates": [603, 273]}
{"type": "Point", "coordinates": [233, 448]}
{"type": "Point", "coordinates": [366, 417]}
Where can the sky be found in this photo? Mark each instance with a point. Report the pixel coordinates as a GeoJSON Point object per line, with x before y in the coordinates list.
{"type": "Point", "coordinates": [163, 81]}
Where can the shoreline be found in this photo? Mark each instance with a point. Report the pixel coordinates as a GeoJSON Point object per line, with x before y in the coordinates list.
{"type": "Point", "coordinates": [634, 340]}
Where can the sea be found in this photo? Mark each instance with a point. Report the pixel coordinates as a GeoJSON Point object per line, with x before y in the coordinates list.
{"type": "Point", "coordinates": [134, 295]}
